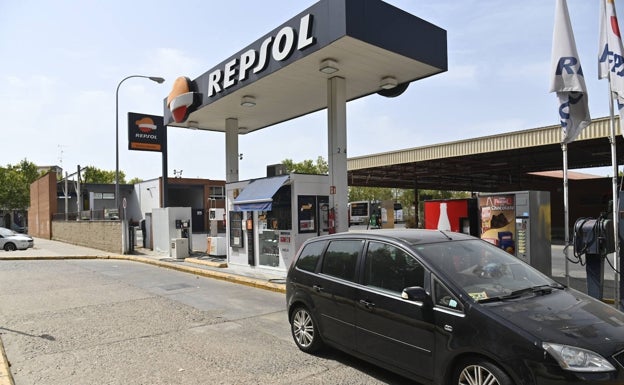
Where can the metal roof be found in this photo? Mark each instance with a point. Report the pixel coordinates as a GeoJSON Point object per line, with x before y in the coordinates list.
{"type": "Point", "coordinates": [488, 164]}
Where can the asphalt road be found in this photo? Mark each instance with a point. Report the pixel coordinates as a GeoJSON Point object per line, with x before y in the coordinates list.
{"type": "Point", "coordinates": [120, 322]}
{"type": "Point", "coordinates": [124, 322]}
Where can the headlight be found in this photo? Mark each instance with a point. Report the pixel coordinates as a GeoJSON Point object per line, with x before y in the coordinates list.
{"type": "Point", "coordinates": [577, 359]}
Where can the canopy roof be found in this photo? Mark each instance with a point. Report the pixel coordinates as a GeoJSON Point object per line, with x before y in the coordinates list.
{"type": "Point", "coordinates": [367, 40]}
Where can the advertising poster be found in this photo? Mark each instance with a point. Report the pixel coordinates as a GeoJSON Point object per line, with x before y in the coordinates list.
{"type": "Point", "coordinates": [445, 215]}
{"type": "Point", "coordinates": [498, 221]}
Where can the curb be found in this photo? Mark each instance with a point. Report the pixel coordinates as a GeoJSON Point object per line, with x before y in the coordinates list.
{"type": "Point", "coordinates": [5, 373]}
{"type": "Point", "coordinates": [252, 282]}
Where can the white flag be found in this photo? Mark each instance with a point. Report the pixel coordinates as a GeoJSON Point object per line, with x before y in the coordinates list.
{"type": "Point", "coordinates": [610, 58]}
{"type": "Point", "coordinates": [567, 77]}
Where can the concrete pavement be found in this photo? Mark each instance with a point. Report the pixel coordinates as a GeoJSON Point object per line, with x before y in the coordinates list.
{"type": "Point", "coordinates": [199, 264]}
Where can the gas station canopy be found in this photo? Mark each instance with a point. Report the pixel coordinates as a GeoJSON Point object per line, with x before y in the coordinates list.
{"type": "Point", "coordinates": [283, 75]}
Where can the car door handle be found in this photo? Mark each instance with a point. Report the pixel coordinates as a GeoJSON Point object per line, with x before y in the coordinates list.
{"type": "Point", "coordinates": [317, 288]}
{"type": "Point", "coordinates": [367, 304]}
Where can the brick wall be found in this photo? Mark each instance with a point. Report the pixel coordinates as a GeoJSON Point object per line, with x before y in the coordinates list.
{"type": "Point", "coordinates": [42, 206]}
{"type": "Point", "coordinates": [102, 235]}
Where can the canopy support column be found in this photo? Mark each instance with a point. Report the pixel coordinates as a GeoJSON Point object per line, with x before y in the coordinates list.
{"type": "Point", "coordinates": [231, 150]}
{"type": "Point", "coordinates": [337, 150]}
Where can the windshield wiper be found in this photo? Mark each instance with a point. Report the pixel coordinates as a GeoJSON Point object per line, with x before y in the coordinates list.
{"type": "Point", "coordinates": [539, 289]}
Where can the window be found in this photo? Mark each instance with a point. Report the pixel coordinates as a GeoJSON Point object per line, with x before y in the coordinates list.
{"type": "Point", "coordinates": [236, 229]}
{"type": "Point", "coordinates": [217, 192]}
{"type": "Point", "coordinates": [390, 268]}
{"type": "Point", "coordinates": [341, 258]}
{"type": "Point", "coordinates": [310, 255]}
{"type": "Point", "coordinates": [307, 213]}
{"type": "Point", "coordinates": [280, 217]}
{"type": "Point", "coordinates": [444, 298]}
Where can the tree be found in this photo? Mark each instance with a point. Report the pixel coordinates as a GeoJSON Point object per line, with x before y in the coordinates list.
{"type": "Point", "coordinates": [307, 166]}
{"type": "Point", "coordinates": [135, 180]}
{"type": "Point", "coordinates": [95, 175]}
{"type": "Point", "coordinates": [15, 183]}
{"type": "Point", "coordinates": [369, 194]}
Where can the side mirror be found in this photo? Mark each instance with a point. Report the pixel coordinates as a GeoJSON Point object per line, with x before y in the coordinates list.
{"type": "Point", "coordinates": [416, 294]}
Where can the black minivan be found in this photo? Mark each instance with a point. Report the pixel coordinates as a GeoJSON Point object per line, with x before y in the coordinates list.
{"type": "Point", "coordinates": [447, 308]}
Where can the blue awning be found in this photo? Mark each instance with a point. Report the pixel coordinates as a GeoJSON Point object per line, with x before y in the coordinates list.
{"type": "Point", "coordinates": [258, 195]}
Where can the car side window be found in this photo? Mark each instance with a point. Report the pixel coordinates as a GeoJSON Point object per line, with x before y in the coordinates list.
{"type": "Point", "coordinates": [341, 258]}
{"type": "Point", "coordinates": [444, 298]}
{"type": "Point", "coordinates": [390, 268]}
{"type": "Point", "coordinates": [310, 255]}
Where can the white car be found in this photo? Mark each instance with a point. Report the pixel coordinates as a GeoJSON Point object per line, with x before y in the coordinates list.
{"type": "Point", "coordinates": [10, 240]}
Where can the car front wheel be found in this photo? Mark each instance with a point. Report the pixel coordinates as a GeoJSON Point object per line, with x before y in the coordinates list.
{"type": "Point", "coordinates": [10, 247]}
{"type": "Point", "coordinates": [304, 330]}
{"type": "Point", "coordinates": [480, 372]}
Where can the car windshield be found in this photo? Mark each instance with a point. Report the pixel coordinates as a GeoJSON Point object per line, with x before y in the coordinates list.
{"type": "Point", "coordinates": [484, 271]}
{"type": "Point", "coordinates": [6, 232]}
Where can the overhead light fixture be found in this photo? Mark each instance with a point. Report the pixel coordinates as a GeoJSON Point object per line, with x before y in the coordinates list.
{"type": "Point", "coordinates": [248, 101]}
{"type": "Point", "coordinates": [192, 125]}
{"type": "Point", "coordinates": [388, 82]}
{"type": "Point", "coordinates": [328, 66]}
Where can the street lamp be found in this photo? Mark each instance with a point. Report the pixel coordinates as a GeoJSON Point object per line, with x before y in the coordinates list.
{"type": "Point", "coordinates": [156, 79]}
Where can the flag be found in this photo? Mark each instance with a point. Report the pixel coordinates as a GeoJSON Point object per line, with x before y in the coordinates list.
{"type": "Point", "coordinates": [567, 77]}
{"type": "Point", "coordinates": [610, 58]}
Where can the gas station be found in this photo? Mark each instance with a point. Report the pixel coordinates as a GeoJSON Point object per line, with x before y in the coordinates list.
{"type": "Point", "coordinates": [332, 52]}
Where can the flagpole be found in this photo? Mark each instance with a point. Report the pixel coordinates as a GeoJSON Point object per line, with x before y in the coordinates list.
{"type": "Point", "coordinates": [614, 187]}
{"type": "Point", "coordinates": [566, 215]}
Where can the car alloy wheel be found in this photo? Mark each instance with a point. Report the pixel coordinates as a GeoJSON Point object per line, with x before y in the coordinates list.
{"type": "Point", "coordinates": [304, 331]}
{"type": "Point", "coordinates": [10, 247]}
{"type": "Point", "coordinates": [481, 372]}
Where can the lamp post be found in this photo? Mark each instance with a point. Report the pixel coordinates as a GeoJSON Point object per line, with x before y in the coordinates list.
{"type": "Point", "coordinates": [156, 79]}
{"type": "Point", "coordinates": [123, 226]}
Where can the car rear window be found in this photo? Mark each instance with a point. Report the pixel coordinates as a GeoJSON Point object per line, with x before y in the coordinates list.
{"type": "Point", "coordinates": [341, 258]}
{"type": "Point", "coordinates": [310, 255]}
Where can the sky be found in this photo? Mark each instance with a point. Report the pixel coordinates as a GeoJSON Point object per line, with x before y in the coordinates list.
{"type": "Point", "coordinates": [62, 61]}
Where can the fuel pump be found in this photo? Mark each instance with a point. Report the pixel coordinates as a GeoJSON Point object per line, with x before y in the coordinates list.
{"type": "Point", "coordinates": [594, 239]}
{"type": "Point", "coordinates": [182, 226]}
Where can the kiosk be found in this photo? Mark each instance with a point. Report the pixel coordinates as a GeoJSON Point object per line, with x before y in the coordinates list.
{"type": "Point", "coordinates": [270, 218]}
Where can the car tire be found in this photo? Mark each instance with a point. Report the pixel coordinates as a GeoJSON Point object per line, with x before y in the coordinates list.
{"type": "Point", "coordinates": [305, 331]}
{"type": "Point", "coordinates": [479, 372]}
{"type": "Point", "coordinates": [9, 247]}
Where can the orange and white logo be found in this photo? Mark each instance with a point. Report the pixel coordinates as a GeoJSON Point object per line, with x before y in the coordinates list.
{"type": "Point", "coordinates": [182, 100]}
{"type": "Point", "coordinates": [146, 125]}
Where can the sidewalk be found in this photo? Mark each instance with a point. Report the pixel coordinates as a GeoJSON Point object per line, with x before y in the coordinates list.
{"type": "Point", "coordinates": [198, 263]}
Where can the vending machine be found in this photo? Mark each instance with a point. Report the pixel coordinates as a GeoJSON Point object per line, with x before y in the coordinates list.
{"type": "Point", "coordinates": [519, 222]}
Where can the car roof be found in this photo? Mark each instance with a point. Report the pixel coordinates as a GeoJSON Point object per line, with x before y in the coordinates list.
{"type": "Point", "coordinates": [409, 236]}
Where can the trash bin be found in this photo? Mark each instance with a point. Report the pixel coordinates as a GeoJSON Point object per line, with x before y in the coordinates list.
{"type": "Point", "coordinates": [130, 240]}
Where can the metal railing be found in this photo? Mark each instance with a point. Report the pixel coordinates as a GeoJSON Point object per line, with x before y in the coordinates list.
{"type": "Point", "coordinates": [87, 215]}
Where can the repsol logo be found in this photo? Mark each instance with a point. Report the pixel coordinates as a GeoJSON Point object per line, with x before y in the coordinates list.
{"type": "Point", "coordinates": [570, 65]}
{"type": "Point", "coordinates": [278, 48]}
{"type": "Point", "coordinates": [616, 61]}
{"type": "Point", "coordinates": [564, 108]}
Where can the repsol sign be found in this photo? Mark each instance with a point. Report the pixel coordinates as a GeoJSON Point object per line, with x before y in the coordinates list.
{"type": "Point", "coordinates": [254, 61]}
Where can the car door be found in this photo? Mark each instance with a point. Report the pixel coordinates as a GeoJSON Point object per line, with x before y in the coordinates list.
{"type": "Point", "coordinates": [335, 290]}
{"type": "Point", "coordinates": [389, 328]}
